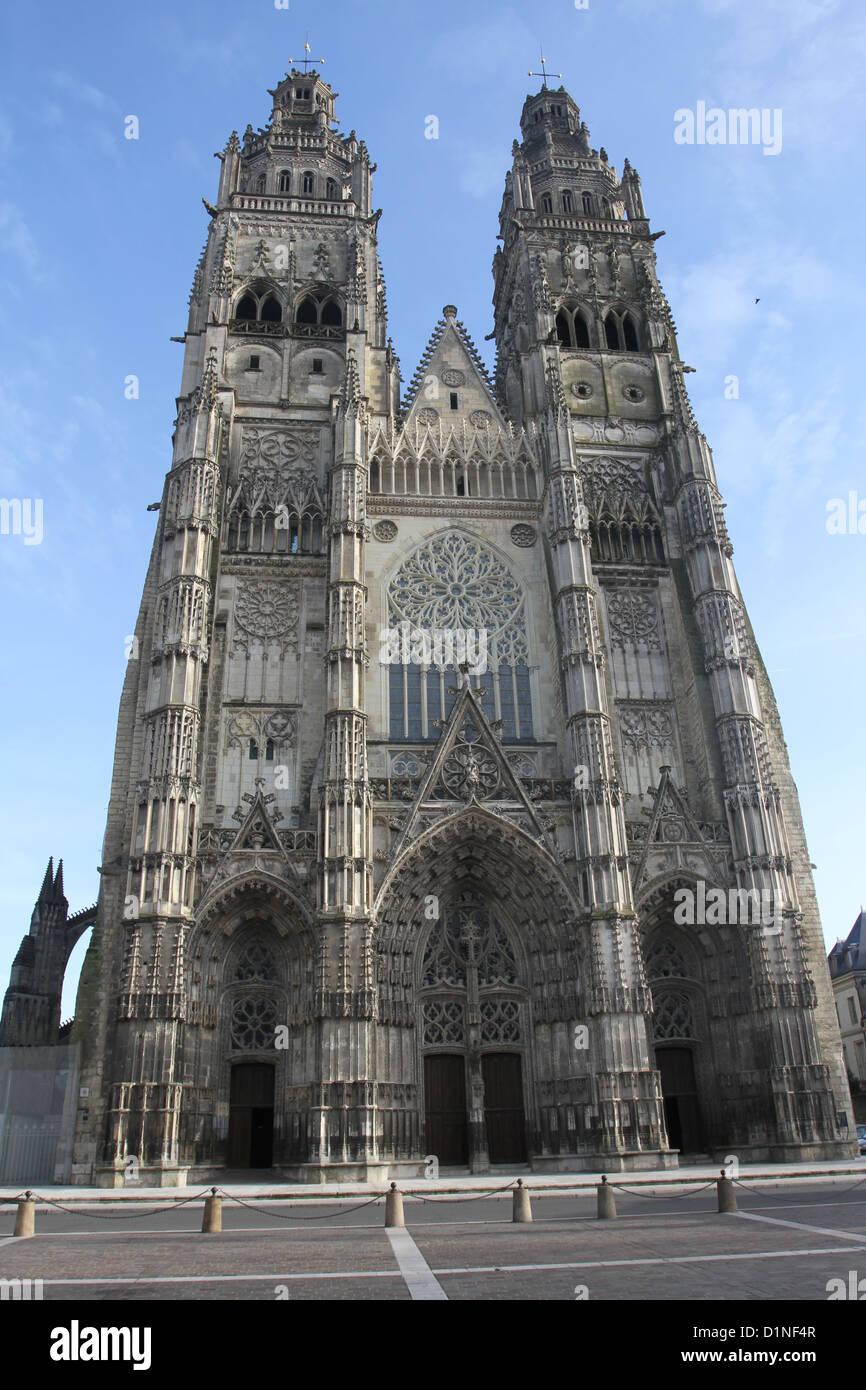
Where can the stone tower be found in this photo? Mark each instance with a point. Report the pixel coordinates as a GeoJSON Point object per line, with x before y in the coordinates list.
{"type": "Point", "coordinates": [437, 703]}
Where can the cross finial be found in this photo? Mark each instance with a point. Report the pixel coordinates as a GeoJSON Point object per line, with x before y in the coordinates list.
{"type": "Point", "coordinates": [544, 73]}
{"type": "Point", "coordinates": [307, 61]}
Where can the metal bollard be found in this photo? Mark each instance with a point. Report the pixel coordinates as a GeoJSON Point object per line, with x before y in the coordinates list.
{"type": "Point", "coordinates": [606, 1203]}
{"type": "Point", "coordinates": [394, 1207]}
{"type": "Point", "coordinates": [727, 1195]}
{"type": "Point", "coordinates": [521, 1209]}
{"type": "Point", "coordinates": [212, 1220]}
{"type": "Point", "coordinates": [25, 1217]}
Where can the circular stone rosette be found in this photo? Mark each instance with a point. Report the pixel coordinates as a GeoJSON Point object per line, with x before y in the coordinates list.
{"type": "Point", "coordinates": [524, 535]}
{"type": "Point", "coordinates": [385, 530]}
{"type": "Point", "coordinates": [266, 610]}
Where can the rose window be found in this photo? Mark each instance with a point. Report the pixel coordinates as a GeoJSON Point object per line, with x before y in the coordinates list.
{"type": "Point", "coordinates": [253, 1024]}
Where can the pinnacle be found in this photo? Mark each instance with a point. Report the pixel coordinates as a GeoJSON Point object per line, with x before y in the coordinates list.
{"type": "Point", "coordinates": [46, 892]}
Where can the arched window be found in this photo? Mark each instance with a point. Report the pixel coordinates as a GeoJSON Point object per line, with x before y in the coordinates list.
{"type": "Point", "coordinates": [581, 330]}
{"type": "Point", "coordinates": [260, 183]}
{"type": "Point", "coordinates": [563, 328]}
{"type": "Point", "coordinates": [605, 208]}
{"type": "Point", "coordinates": [271, 311]}
{"type": "Point", "coordinates": [567, 203]}
{"type": "Point", "coordinates": [307, 311]}
{"type": "Point", "coordinates": [285, 181]}
{"type": "Point", "coordinates": [456, 585]}
{"type": "Point", "coordinates": [546, 204]}
{"type": "Point", "coordinates": [319, 308]}
{"type": "Point", "coordinates": [331, 188]}
{"type": "Point", "coordinates": [309, 181]}
{"type": "Point", "coordinates": [247, 308]}
{"type": "Point", "coordinates": [620, 330]}
{"type": "Point", "coordinates": [587, 203]}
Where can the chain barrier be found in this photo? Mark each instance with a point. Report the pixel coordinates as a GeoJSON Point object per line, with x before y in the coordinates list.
{"type": "Point", "coordinates": [283, 1216]}
{"type": "Point", "coordinates": [470, 1196]}
{"type": "Point", "coordinates": [783, 1196]}
{"type": "Point", "coordinates": [661, 1196]}
{"type": "Point", "coordinates": [117, 1215]}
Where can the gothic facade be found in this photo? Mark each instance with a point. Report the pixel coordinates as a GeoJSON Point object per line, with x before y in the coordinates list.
{"type": "Point", "coordinates": [443, 702]}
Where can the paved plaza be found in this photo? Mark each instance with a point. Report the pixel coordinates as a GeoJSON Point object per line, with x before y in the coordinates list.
{"type": "Point", "coordinates": [788, 1240]}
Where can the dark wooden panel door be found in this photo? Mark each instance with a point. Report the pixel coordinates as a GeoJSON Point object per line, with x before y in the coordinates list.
{"type": "Point", "coordinates": [680, 1091]}
{"type": "Point", "coordinates": [503, 1107]}
{"type": "Point", "coordinates": [251, 1116]}
{"type": "Point", "coordinates": [445, 1106]}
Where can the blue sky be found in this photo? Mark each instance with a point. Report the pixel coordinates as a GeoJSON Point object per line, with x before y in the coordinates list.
{"type": "Point", "coordinates": [99, 237]}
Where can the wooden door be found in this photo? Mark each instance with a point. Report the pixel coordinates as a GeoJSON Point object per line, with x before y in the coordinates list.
{"type": "Point", "coordinates": [445, 1107]}
{"type": "Point", "coordinates": [680, 1091]}
{"type": "Point", "coordinates": [251, 1116]}
{"type": "Point", "coordinates": [503, 1107]}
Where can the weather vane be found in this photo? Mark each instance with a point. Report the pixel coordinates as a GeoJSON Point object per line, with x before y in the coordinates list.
{"type": "Point", "coordinates": [308, 62]}
{"type": "Point", "coordinates": [544, 73]}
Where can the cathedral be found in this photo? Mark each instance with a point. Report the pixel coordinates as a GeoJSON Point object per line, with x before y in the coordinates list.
{"type": "Point", "coordinates": [448, 776]}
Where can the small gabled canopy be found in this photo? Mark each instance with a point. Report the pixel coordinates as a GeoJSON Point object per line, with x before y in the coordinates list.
{"type": "Point", "coordinates": [451, 367]}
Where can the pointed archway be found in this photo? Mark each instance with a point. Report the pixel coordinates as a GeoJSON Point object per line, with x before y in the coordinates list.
{"type": "Point", "coordinates": [474, 959]}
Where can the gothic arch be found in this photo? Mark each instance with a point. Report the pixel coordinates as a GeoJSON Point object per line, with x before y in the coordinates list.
{"type": "Point", "coordinates": [250, 972]}
{"type": "Point", "coordinates": [699, 978]}
{"type": "Point", "coordinates": [478, 863]}
{"type": "Point", "coordinates": [259, 301]}
{"type": "Point", "coordinates": [483, 850]}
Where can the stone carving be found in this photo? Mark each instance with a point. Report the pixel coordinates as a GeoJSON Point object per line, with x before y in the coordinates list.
{"type": "Point", "coordinates": [452, 377]}
{"type": "Point", "coordinates": [581, 389]}
{"type": "Point", "coordinates": [256, 963]}
{"type": "Point", "coordinates": [385, 530]}
{"type": "Point", "coordinates": [645, 726]}
{"type": "Point", "coordinates": [266, 610]}
{"type": "Point", "coordinates": [601, 429]}
{"type": "Point", "coordinates": [427, 416]}
{"type": "Point", "coordinates": [253, 1024]}
{"type": "Point", "coordinates": [278, 446]}
{"type": "Point", "coordinates": [281, 727]}
{"type": "Point", "coordinates": [469, 772]}
{"type": "Point", "coordinates": [408, 765]}
{"type": "Point", "coordinates": [443, 1022]}
{"type": "Point", "coordinates": [672, 1017]}
{"type": "Point", "coordinates": [468, 937]}
{"type": "Point", "coordinates": [663, 960]}
{"type": "Point", "coordinates": [634, 619]}
{"type": "Point", "coordinates": [500, 1021]}
{"type": "Point", "coordinates": [455, 582]}
{"type": "Point", "coordinates": [524, 535]}
{"type": "Point", "coordinates": [634, 393]}
{"type": "Point", "coordinates": [481, 419]}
